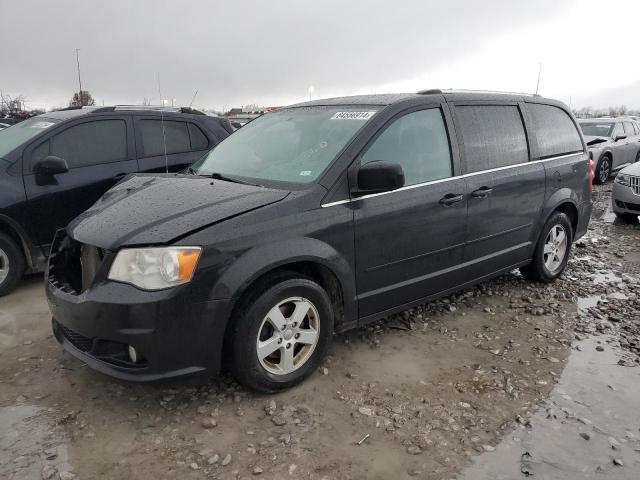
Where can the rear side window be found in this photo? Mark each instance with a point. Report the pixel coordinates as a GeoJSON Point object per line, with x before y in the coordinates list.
{"type": "Point", "coordinates": [418, 141]}
{"type": "Point", "coordinates": [198, 139]}
{"type": "Point", "coordinates": [493, 136]}
{"type": "Point", "coordinates": [90, 143]}
{"type": "Point", "coordinates": [555, 131]}
{"type": "Point", "coordinates": [175, 134]}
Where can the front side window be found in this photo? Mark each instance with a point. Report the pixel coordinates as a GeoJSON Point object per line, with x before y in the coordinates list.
{"type": "Point", "coordinates": [628, 129]}
{"type": "Point", "coordinates": [418, 142]}
{"type": "Point", "coordinates": [91, 143]}
{"type": "Point", "coordinates": [493, 136]}
{"type": "Point", "coordinates": [292, 145]}
{"type": "Point", "coordinates": [555, 131]}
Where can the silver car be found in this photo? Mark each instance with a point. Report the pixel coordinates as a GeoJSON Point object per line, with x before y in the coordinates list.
{"type": "Point", "coordinates": [626, 193]}
{"type": "Point", "coordinates": [612, 142]}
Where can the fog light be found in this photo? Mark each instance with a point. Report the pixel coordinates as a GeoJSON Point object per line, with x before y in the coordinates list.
{"type": "Point", "coordinates": [133, 355]}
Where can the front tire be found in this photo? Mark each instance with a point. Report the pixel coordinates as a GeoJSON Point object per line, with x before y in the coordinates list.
{"type": "Point", "coordinates": [552, 251]}
{"type": "Point", "coordinates": [12, 264]}
{"type": "Point", "coordinates": [280, 336]}
{"type": "Point", "coordinates": [603, 170]}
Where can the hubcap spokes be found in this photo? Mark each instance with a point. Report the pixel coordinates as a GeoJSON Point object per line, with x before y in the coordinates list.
{"type": "Point", "coordinates": [4, 266]}
{"type": "Point", "coordinates": [288, 335]}
{"type": "Point", "coordinates": [555, 248]}
{"type": "Point", "coordinates": [604, 171]}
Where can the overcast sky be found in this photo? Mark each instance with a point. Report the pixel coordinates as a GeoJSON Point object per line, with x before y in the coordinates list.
{"type": "Point", "coordinates": [270, 51]}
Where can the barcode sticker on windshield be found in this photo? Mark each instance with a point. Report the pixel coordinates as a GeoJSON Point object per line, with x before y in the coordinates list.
{"type": "Point", "coordinates": [353, 115]}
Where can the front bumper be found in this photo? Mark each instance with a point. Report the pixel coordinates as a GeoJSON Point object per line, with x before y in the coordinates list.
{"type": "Point", "coordinates": [623, 200]}
{"type": "Point", "coordinates": [172, 335]}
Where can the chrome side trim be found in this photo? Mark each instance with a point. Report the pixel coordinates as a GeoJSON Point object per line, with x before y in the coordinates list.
{"type": "Point", "coordinates": [418, 185]}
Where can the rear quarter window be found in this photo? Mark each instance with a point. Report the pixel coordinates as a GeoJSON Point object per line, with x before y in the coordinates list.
{"type": "Point", "coordinates": [556, 133]}
{"type": "Point", "coordinates": [493, 136]}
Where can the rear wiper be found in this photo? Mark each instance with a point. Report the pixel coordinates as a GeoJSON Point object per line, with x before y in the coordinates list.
{"type": "Point", "coordinates": [221, 176]}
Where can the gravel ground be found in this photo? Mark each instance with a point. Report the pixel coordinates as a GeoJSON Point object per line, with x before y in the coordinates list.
{"type": "Point", "coordinates": [503, 380]}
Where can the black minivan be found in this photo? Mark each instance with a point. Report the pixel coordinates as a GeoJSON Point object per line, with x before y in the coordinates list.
{"type": "Point", "coordinates": [315, 219]}
{"type": "Point", "coordinates": [55, 165]}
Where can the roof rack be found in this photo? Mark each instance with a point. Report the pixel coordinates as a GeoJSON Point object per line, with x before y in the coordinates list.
{"type": "Point", "coordinates": [148, 108]}
{"type": "Point", "coordinates": [458, 90]}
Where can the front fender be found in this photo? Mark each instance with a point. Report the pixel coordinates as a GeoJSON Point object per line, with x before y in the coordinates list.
{"type": "Point", "coordinates": [266, 257]}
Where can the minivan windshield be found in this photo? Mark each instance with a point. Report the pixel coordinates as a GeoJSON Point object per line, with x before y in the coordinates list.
{"type": "Point", "coordinates": [291, 145]}
{"type": "Point", "coordinates": [14, 136]}
{"type": "Point", "coordinates": [597, 129]}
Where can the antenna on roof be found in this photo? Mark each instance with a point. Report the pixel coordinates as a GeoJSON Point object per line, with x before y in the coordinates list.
{"type": "Point", "coordinates": [164, 137]}
{"type": "Point", "coordinates": [194, 97]}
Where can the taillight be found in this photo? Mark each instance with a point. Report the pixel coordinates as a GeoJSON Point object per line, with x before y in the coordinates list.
{"type": "Point", "coordinates": [591, 168]}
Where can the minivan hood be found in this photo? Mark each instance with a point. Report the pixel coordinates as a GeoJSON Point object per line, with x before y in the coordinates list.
{"type": "Point", "coordinates": [152, 209]}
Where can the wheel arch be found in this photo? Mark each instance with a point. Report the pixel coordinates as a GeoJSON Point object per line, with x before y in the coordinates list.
{"type": "Point", "coordinates": [11, 228]}
{"type": "Point", "coordinates": [309, 257]}
{"type": "Point", "coordinates": [565, 201]}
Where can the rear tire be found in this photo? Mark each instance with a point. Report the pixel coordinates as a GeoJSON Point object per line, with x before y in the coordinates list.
{"type": "Point", "coordinates": [12, 264]}
{"type": "Point", "coordinates": [552, 252]}
{"type": "Point", "coordinates": [290, 316]}
{"type": "Point", "coordinates": [603, 170]}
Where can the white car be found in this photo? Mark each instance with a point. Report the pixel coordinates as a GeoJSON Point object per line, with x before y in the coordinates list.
{"type": "Point", "coordinates": [625, 198]}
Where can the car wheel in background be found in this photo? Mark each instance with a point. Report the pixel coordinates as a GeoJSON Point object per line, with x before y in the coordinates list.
{"type": "Point", "coordinates": [603, 170]}
{"type": "Point", "coordinates": [552, 251]}
{"type": "Point", "coordinates": [11, 264]}
{"type": "Point", "coordinates": [281, 333]}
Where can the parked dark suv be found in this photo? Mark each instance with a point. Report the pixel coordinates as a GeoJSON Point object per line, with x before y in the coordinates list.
{"type": "Point", "coordinates": [55, 165]}
{"type": "Point", "coordinates": [315, 219]}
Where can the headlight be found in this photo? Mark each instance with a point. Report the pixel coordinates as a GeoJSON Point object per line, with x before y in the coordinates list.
{"type": "Point", "coordinates": [622, 179]}
{"type": "Point", "coordinates": [155, 268]}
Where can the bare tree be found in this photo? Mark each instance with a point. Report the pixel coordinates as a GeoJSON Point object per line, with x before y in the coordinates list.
{"type": "Point", "coordinates": [12, 106]}
{"type": "Point", "coordinates": [82, 99]}
{"type": "Point", "coordinates": [146, 101]}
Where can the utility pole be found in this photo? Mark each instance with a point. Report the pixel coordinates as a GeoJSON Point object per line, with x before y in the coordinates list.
{"type": "Point", "coordinates": [539, 72]}
{"type": "Point", "coordinates": [79, 80]}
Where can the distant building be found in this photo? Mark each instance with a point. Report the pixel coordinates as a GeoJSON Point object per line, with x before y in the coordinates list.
{"type": "Point", "coordinates": [243, 115]}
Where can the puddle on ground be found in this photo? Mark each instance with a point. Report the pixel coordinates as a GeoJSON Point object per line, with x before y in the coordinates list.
{"type": "Point", "coordinates": [605, 277]}
{"type": "Point", "coordinates": [595, 398]}
{"type": "Point", "coordinates": [24, 438]}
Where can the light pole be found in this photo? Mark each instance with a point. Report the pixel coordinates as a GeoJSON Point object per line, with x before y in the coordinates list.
{"type": "Point", "coordinates": [539, 72]}
{"type": "Point", "coordinates": [79, 80]}
{"type": "Point", "coordinates": [311, 89]}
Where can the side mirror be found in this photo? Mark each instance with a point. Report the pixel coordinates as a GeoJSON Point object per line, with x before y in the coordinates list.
{"type": "Point", "coordinates": [379, 176]}
{"type": "Point", "coordinates": [51, 165]}
{"type": "Point", "coordinates": [620, 137]}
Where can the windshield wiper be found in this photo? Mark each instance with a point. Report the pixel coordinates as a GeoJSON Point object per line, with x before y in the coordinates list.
{"type": "Point", "coordinates": [221, 176]}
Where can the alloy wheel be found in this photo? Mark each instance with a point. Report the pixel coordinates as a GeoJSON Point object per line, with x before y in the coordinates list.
{"type": "Point", "coordinates": [4, 265]}
{"type": "Point", "coordinates": [288, 335]}
{"type": "Point", "coordinates": [555, 248]}
{"type": "Point", "coordinates": [605, 170]}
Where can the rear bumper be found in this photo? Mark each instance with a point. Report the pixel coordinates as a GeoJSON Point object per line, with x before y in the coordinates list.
{"type": "Point", "coordinates": [584, 216]}
{"type": "Point", "coordinates": [172, 336]}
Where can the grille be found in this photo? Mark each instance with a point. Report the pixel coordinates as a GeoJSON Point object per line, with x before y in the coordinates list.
{"type": "Point", "coordinates": [635, 184]}
{"type": "Point", "coordinates": [81, 342]}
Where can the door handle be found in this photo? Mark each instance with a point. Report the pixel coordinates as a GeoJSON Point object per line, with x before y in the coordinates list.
{"type": "Point", "coordinates": [451, 198]}
{"type": "Point", "coordinates": [482, 192]}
